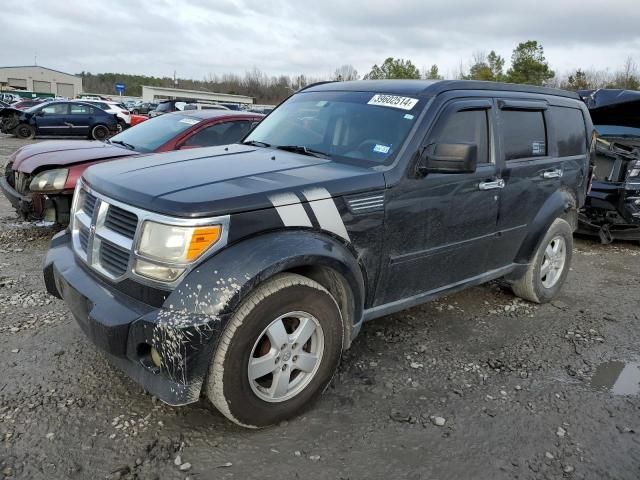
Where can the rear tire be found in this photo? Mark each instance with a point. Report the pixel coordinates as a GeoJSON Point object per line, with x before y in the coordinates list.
{"type": "Point", "coordinates": [283, 310]}
{"type": "Point", "coordinates": [100, 132]}
{"type": "Point", "coordinates": [550, 266]}
{"type": "Point", "coordinates": [24, 131]}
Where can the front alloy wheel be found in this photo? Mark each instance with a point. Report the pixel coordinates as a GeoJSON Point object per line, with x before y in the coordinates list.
{"type": "Point", "coordinates": [286, 356]}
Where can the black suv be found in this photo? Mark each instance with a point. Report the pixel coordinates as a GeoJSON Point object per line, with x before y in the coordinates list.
{"type": "Point", "coordinates": [242, 272]}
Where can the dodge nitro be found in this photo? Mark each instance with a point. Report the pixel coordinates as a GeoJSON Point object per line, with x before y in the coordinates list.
{"type": "Point", "coordinates": [241, 273]}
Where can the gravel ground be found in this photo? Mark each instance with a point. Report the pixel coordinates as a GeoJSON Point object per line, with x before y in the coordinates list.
{"type": "Point", "coordinates": [478, 385]}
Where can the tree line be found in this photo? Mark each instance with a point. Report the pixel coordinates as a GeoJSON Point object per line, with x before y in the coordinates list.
{"type": "Point", "coordinates": [528, 65]}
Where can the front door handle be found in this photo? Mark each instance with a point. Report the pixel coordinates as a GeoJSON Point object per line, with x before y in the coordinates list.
{"type": "Point", "coordinates": [555, 173]}
{"type": "Point", "coordinates": [492, 185]}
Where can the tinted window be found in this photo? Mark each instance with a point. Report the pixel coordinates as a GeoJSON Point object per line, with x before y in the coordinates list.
{"type": "Point", "coordinates": [80, 109]}
{"type": "Point", "coordinates": [56, 109]}
{"type": "Point", "coordinates": [523, 134]}
{"type": "Point", "coordinates": [470, 126]}
{"type": "Point", "coordinates": [220, 134]}
{"type": "Point", "coordinates": [570, 131]}
{"type": "Point", "coordinates": [164, 107]}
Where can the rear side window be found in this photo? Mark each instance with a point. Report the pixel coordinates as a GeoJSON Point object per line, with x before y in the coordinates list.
{"type": "Point", "coordinates": [523, 134]}
{"type": "Point", "coordinates": [469, 126]}
{"type": "Point", "coordinates": [570, 131]}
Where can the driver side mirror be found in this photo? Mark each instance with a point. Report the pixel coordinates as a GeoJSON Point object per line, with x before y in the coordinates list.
{"type": "Point", "coordinates": [41, 113]}
{"type": "Point", "coordinates": [448, 158]}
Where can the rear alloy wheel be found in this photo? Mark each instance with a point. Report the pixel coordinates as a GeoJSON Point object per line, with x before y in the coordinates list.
{"type": "Point", "coordinates": [278, 352]}
{"type": "Point", "coordinates": [550, 266]}
{"type": "Point", "coordinates": [25, 131]}
{"type": "Point", "coordinates": [100, 132]}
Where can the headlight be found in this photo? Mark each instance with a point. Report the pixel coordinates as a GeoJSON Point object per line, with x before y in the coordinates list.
{"type": "Point", "coordinates": [175, 244]}
{"type": "Point", "coordinates": [635, 171]}
{"type": "Point", "coordinates": [167, 249]}
{"type": "Point", "coordinates": [50, 180]}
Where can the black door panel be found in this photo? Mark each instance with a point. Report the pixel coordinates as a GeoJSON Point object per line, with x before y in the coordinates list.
{"type": "Point", "coordinates": [438, 228]}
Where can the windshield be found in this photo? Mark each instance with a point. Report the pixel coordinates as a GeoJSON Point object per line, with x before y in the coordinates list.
{"type": "Point", "coordinates": [164, 107]}
{"type": "Point", "coordinates": [151, 134]}
{"type": "Point", "coordinates": [357, 127]}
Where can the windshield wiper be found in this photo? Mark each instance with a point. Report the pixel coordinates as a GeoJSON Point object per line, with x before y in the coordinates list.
{"type": "Point", "coordinates": [124, 144]}
{"type": "Point", "coordinates": [304, 150]}
{"type": "Point", "coordinates": [256, 143]}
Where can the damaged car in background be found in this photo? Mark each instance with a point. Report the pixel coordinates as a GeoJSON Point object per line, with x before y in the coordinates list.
{"type": "Point", "coordinates": [612, 209]}
{"type": "Point", "coordinates": [39, 179]}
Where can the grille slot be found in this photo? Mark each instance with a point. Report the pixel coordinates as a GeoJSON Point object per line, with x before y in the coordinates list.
{"type": "Point", "coordinates": [121, 221]}
{"type": "Point", "coordinates": [113, 259]}
{"type": "Point", "coordinates": [83, 235]}
{"type": "Point", "coordinates": [88, 204]}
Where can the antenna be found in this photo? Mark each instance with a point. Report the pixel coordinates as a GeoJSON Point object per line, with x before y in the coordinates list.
{"type": "Point", "coordinates": [35, 58]}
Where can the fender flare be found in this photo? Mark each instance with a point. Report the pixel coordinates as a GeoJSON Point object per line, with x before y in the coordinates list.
{"type": "Point", "coordinates": [218, 285]}
{"type": "Point", "coordinates": [561, 204]}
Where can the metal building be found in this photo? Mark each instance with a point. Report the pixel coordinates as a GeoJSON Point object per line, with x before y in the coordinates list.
{"type": "Point", "coordinates": [151, 94]}
{"type": "Point", "coordinates": [40, 80]}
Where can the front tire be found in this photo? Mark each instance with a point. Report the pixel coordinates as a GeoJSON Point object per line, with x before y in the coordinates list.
{"type": "Point", "coordinates": [100, 132]}
{"type": "Point", "coordinates": [550, 266]}
{"type": "Point", "coordinates": [278, 352]}
{"type": "Point", "coordinates": [24, 131]}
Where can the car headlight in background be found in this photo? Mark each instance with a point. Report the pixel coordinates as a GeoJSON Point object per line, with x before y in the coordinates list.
{"type": "Point", "coordinates": [178, 246]}
{"type": "Point", "coordinates": [50, 180]}
{"type": "Point", "coordinates": [635, 171]}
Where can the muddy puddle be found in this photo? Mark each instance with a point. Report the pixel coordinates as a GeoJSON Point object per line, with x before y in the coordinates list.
{"type": "Point", "coordinates": [618, 378]}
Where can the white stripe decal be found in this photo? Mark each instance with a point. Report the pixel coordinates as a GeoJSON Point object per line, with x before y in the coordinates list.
{"type": "Point", "coordinates": [326, 211]}
{"type": "Point", "coordinates": [291, 212]}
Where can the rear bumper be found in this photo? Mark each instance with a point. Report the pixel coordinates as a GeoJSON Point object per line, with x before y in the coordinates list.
{"type": "Point", "coordinates": [126, 329]}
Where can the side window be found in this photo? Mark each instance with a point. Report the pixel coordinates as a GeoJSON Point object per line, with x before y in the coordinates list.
{"type": "Point", "coordinates": [523, 134]}
{"type": "Point", "coordinates": [467, 126]}
{"type": "Point", "coordinates": [220, 134]}
{"type": "Point", "coordinates": [570, 130]}
{"type": "Point", "coordinates": [77, 109]}
{"type": "Point", "coordinates": [56, 109]}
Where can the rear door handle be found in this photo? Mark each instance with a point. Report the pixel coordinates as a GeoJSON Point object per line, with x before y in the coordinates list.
{"type": "Point", "coordinates": [555, 173]}
{"type": "Point", "coordinates": [492, 185]}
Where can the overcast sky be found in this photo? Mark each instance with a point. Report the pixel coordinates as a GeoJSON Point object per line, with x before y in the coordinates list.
{"type": "Point", "coordinates": [198, 37]}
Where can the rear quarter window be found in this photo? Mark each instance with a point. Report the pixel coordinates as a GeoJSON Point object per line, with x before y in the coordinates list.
{"type": "Point", "coordinates": [570, 131]}
{"type": "Point", "coordinates": [524, 134]}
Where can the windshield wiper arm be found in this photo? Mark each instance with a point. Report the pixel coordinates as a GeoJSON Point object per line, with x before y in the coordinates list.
{"type": "Point", "coordinates": [304, 150]}
{"type": "Point", "coordinates": [124, 144]}
{"type": "Point", "coordinates": [256, 143]}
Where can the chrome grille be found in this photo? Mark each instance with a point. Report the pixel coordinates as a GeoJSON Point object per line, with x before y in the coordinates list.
{"type": "Point", "coordinates": [103, 234]}
{"type": "Point", "coordinates": [121, 221]}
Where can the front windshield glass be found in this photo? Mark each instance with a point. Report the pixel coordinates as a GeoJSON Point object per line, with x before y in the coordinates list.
{"type": "Point", "coordinates": [365, 128]}
{"type": "Point", "coordinates": [164, 107]}
{"type": "Point", "coordinates": [151, 134]}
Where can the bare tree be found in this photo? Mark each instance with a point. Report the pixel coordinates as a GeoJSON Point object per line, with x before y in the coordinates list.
{"type": "Point", "coordinates": [345, 73]}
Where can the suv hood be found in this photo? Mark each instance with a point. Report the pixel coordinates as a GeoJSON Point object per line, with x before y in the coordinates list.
{"type": "Point", "coordinates": [223, 180]}
{"type": "Point", "coordinates": [65, 152]}
{"type": "Point", "coordinates": [613, 107]}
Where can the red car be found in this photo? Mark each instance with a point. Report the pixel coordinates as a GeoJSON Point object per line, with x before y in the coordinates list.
{"type": "Point", "coordinates": [39, 178]}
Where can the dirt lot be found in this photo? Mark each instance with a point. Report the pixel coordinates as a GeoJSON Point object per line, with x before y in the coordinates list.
{"type": "Point", "coordinates": [524, 391]}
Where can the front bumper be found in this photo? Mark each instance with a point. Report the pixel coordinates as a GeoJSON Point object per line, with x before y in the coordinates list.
{"type": "Point", "coordinates": [126, 329]}
{"type": "Point", "coordinates": [22, 203]}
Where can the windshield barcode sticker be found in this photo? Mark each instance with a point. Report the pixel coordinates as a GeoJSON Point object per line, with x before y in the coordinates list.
{"type": "Point", "coordinates": [393, 101]}
{"type": "Point", "coordinates": [190, 121]}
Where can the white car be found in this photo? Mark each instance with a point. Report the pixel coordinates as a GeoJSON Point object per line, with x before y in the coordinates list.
{"type": "Point", "coordinates": [118, 109]}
